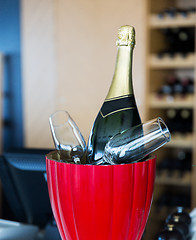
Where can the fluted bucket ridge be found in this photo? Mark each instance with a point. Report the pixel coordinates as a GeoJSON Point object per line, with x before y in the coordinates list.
{"type": "Point", "coordinates": [101, 202]}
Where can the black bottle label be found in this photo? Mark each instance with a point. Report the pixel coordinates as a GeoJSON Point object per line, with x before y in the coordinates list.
{"type": "Point", "coordinates": [117, 104]}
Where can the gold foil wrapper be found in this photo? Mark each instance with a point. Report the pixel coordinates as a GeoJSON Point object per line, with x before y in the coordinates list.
{"type": "Point", "coordinates": [126, 36]}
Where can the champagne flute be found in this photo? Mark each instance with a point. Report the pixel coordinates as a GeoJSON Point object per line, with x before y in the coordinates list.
{"type": "Point", "coordinates": [67, 137]}
{"type": "Point", "coordinates": [136, 143]}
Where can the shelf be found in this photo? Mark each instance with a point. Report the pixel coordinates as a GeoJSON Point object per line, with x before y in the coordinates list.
{"type": "Point", "coordinates": [171, 102]}
{"type": "Point", "coordinates": [159, 66]}
{"type": "Point", "coordinates": [175, 179]}
{"type": "Point", "coordinates": [160, 214]}
{"type": "Point", "coordinates": [180, 140]}
{"type": "Point", "coordinates": [176, 62]}
{"type": "Point", "coordinates": [178, 21]}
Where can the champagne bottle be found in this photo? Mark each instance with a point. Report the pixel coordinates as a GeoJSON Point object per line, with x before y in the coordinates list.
{"type": "Point", "coordinates": [119, 110]}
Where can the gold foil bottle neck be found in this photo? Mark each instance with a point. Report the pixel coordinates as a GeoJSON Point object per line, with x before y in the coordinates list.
{"type": "Point", "coordinates": [126, 36]}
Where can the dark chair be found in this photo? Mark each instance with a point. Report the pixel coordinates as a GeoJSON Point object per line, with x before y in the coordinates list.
{"type": "Point", "coordinates": [23, 177]}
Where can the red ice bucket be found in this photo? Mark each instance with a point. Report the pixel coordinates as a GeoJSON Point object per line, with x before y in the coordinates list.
{"type": "Point", "coordinates": [108, 202]}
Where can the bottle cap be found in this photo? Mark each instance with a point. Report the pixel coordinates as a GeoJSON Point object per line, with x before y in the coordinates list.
{"type": "Point", "coordinates": [126, 36]}
{"type": "Point", "coordinates": [170, 227]}
{"type": "Point", "coordinates": [185, 114]}
{"type": "Point", "coordinates": [171, 113]}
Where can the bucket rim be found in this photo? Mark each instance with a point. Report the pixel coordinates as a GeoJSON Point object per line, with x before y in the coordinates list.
{"type": "Point", "coordinates": [50, 157]}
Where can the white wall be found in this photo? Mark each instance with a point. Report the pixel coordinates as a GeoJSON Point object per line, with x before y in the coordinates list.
{"type": "Point", "coordinates": [69, 57]}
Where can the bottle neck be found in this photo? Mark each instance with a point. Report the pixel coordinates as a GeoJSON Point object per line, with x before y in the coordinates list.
{"type": "Point", "coordinates": [122, 79]}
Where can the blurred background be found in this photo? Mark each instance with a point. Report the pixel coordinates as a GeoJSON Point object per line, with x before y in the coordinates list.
{"type": "Point", "coordinates": [60, 55]}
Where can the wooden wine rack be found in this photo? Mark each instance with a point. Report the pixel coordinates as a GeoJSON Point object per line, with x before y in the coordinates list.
{"type": "Point", "coordinates": [177, 21]}
{"type": "Point", "coordinates": [156, 69]}
{"type": "Point", "coordinates": [175, 179]}
{"type": "Point", "coordinates": [168, 63]}
{"type": "Point", "coordinates": [174, 102]}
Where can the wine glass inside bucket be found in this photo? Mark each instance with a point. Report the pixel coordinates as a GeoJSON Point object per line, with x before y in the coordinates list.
{"type": "Point", "coordinates": [67, 136]}
{"type": "Point", "coordinates": [136, 143]}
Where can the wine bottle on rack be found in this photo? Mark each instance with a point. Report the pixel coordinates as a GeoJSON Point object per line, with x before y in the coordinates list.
{"type": "Point", "coordinates": [181, 213]}
{"type": "Point", "coordinates": [167, 89]}
{"type": "Point", "coordinates": [186, 120]}
{"type": "Point", "coordinates": [179, 41]}
{"type": "Point", "coordinates": [186, 40]}
{"type": "Point", "coordinates": [188, 85]}
{"type": "Point", "coordinates": [191, 10]}
{"type": "Point", "coordinates": [180, 226]}
{"type": "Point", "coordinates": [172, 120]}
{"type": "Point", "coordinates": [169, 12]}
{"type": "Point", "coordinates": [119, 110]}
{"type": "Point", "coordinates": [170, 233]}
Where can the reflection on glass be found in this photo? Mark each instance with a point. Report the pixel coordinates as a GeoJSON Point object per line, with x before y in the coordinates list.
{"type": "Point", "coordinates": [136, 143]}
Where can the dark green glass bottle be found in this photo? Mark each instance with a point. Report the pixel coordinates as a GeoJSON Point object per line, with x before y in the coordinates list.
{"type": "Point", "coordinates": [119, 110]}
